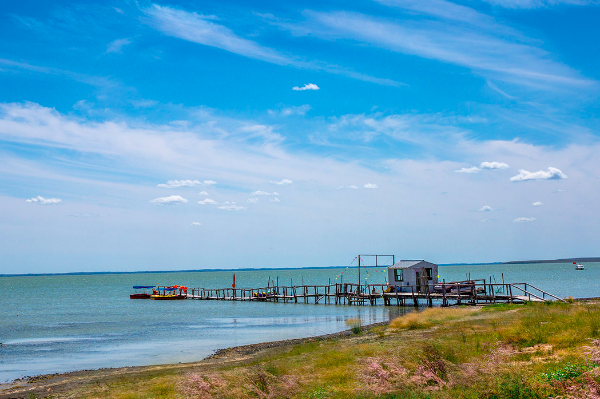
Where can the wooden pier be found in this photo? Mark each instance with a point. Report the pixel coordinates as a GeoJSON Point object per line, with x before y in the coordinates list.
{"type": "Point", "coordinates": [472, 292]}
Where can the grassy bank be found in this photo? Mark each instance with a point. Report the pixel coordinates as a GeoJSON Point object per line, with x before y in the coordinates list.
{"type": "Point", "coordinates": [503, 351]}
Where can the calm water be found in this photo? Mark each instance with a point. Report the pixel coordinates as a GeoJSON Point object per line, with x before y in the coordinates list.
{"type": "Point", "coordinates": [54, 324]}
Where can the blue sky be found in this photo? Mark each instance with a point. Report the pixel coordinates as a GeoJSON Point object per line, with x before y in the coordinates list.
{"type": "Point", "coordinates": [183, 135]}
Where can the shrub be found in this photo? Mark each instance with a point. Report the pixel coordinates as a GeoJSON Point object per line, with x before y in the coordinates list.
{"type": "Point", "coordinates": [566, 372]}
{"type": "Point", "coordinates": [355, 325]}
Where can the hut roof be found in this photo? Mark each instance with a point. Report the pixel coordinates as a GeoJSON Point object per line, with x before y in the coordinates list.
{"type": "Point", "coordinates": [405, 264]}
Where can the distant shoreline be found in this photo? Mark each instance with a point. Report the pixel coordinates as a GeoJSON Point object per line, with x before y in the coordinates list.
{"type": "Point", "coordinates": [514, 262]}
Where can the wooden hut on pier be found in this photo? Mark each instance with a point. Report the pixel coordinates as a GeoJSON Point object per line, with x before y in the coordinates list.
{"type": "Point", "coordinates": [407, 275]}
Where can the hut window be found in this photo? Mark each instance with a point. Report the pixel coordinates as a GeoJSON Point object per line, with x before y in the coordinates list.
{"type": "Point", "coordinates": [429, 273]}
{"type": "Point", "coordinates": [398, 276]}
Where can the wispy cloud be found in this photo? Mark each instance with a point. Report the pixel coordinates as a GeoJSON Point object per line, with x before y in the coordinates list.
{"type": "Point", "coordinates": [482, 166]}
{"type": "Point", "coordinates": [202, 29]}
{"type": "Point", "coordinates": [428, 130]}
{"type": "Point", "coordinates": [529, 4]}
{"type": "Point", "coordinates": [170, 200]}
{"type": "Point", "coordinates": [180, 183]}
{"type": "Point", "coordinates": [44, 201]}
{"type": "Point", "coordinates": [487, 52]}
{"type": "Point", "coordinates": [472, 169]}
{"type": "Point", "coordinates": [263, 193]}
{"type": "Point", "coordinates": [550, 174]}
{"type": "Point", "coordinates": [293, 110]}
{"type": "Point", "coordinates": [208, 201]}
{"type": "Point", "coordinates": [524, 219]}
{"type": "Point", "coordinates": [117, 45]}
{"type": "Point", "coordinates": [231, 206]}
{"type": "Point", "coordinates": [100, 82]}
{"type": "Point", "coordinates": [274, 199]}
{"type": "Point", "coordinates": [485, 208]}
{"type": "Point", "coordinates": [252, 200]}
{"type": "Point", "coordinates": [351, 187]}
{"type": "Point", "coordinates": [370, 185]}
{"type": "Point", "coordinates": [203, 193]}
{"type": "Point", "coordinates": [282, 182]}
{"type": "Point", "coordinates": [537, 204]}
{"type": "Point", "coordinates": [493, 165]}
{"type": "Point", "coordinates": [308, 86]}
{"type": "Point", "coordinates": [196, 224]}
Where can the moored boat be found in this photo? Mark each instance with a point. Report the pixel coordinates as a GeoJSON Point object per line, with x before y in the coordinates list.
{"type": "Point", "coordinates": [169, 293]}
{"type": "Point", "coordinates": [141, 292]}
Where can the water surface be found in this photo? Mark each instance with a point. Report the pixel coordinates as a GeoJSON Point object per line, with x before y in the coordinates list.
{"type": "Point", "coordinates": [69, 322]}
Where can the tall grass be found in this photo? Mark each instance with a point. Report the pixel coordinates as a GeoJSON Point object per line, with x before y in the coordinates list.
{"type": "Point", "coordinates": [429, 317]}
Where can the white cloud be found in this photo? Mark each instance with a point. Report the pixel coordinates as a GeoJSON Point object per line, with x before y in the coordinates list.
{"type": "Point", "coordinates": [472, 169]}
{"type": "Point", "coordinates": [275, 199]}
{"type": "Point", "coordinates": [231, 206]}
{"type": "Point", "coordinates": [351, 187]}
{"type": "Point", "coordinates": [521, 220]}
{"type": "Point", "coordinates": [281, 182]}
{"type": "Point", "coordinates": [263, 193]}
{"type": "Point", "coordinates": [482, 166]}
{"type": "Point", "coordinates": [171, 200]}
{"type": "Point", "coordinates": [203, 193]}
{"type": "Point", "coordinates": [550, 174]}
{"type": "Point", "coordinates": [370, 185]}
{"type": "Point", "coordinates": [117, 45]}
{"type": "Point", "coordinates": [180, 183]}
{"type": "Point", "coordinates": [196, 224]}
{"type": "Point", "coordinates": [252, 200]}
{"type": "Point", "coordinates": [44, 201]}
{"type": "Point", "coordinates": [485, 208]}
{"type": "Point", "coordinates": [493, 165]}
{"type": "Point", "coordinates": [537, 204]}
{"type": "Point", "coordinates": [209, 182]}
{"type": "Point", "coordinates": [208, 201]}
{"type": "Point", "coordinates": [308, 86]}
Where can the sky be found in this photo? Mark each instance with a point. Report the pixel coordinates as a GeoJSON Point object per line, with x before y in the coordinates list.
{"type": "Point", "coordinates": [178, 134]}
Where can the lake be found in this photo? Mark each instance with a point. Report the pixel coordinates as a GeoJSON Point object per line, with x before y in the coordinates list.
{"type": "Point", "coordinates": [60, 323]}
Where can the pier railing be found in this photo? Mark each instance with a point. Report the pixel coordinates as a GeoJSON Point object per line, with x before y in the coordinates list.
{"type": "Point", "coordinates": [471, 292]}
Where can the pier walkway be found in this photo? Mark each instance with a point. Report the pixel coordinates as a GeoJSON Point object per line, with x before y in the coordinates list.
{"type": "Point", "coordinates": [473, 292]}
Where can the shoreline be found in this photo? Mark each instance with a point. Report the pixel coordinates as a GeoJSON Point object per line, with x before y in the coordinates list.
{"type": "Point", "coordinates": [55, 383]}
{"type": "Point", "coordinates": [84, 273]}
{"type": "Point", "coordinates": [541, 349]}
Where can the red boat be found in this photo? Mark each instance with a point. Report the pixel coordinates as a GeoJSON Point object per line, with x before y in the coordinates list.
{"type": "Point", "coordinates": [141, 292]}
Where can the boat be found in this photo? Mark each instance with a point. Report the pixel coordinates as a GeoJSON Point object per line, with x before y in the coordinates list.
{"type": "Point", "coordinates": [141, 292]}
{"type": "Point", "coordinates": [170, 293]}
{"type": "Point", "coordinates": [579, 266]}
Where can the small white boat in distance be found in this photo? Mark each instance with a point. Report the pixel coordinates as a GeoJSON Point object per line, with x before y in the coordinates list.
{"type": "Point", "coordinates": [578, 266]}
